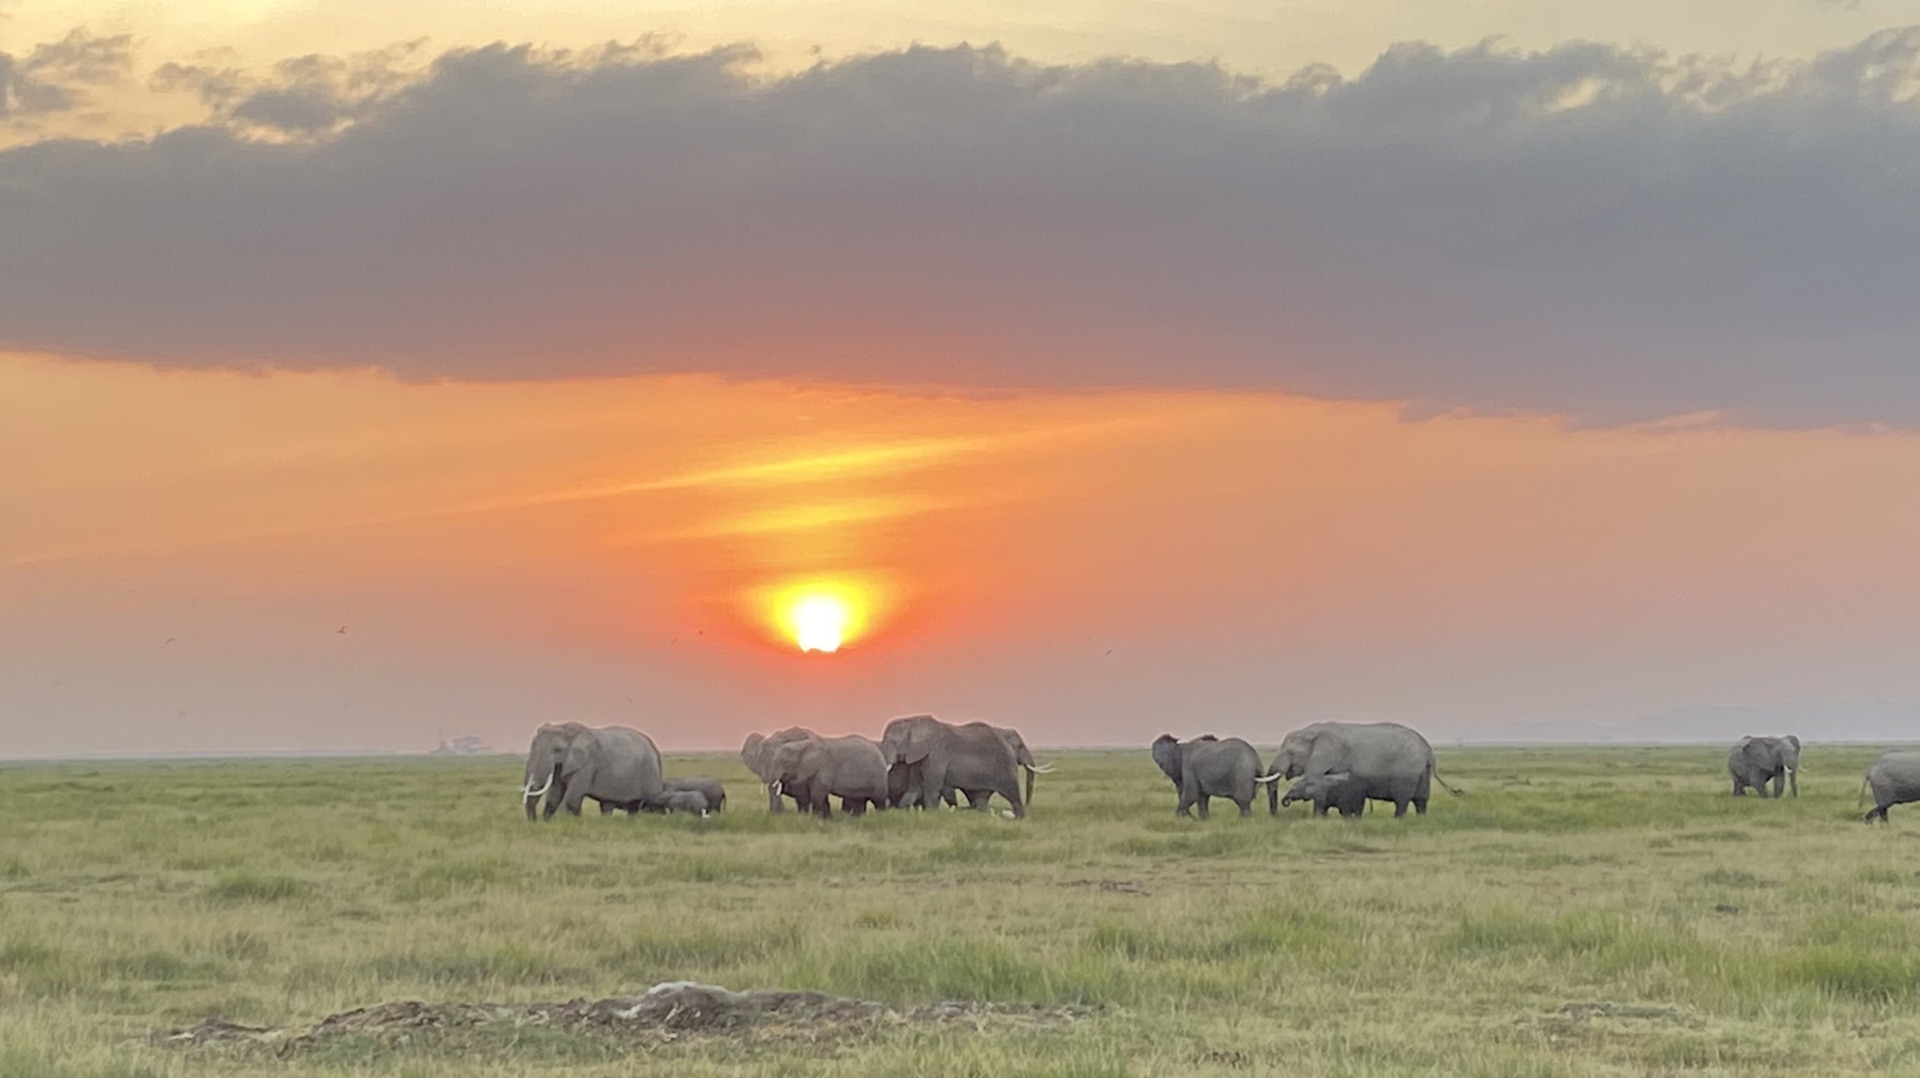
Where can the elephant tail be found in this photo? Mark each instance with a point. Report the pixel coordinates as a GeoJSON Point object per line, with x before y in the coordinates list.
{"type": "Point", "coordinates": [1862, 799]}
{"type": "Point", "coordinates": [1450, 788]}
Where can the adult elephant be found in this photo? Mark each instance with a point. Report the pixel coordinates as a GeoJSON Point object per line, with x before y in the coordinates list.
{"type": "Point", "coordinates": [1385, 760]}
{"type": "Point", "coordinates": [903, 789]}
{"type": "Point", "coordinates": [926, 757]}
{"type": "Point", "coordinates": [569, 762]}
{"type": "Point", "coordinates": [850, 768]}
{"type": "Point", "coordinates": [1894, 779]}
{"type": "Point", "coordinates": [1208, 767]}
{"type": "Point", "coordinates": [1756, 761]}
{"type": "Point", "coordinates": [757, 754]}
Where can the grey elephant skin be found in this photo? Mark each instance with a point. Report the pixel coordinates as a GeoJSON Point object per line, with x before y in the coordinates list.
{"type": "Point", "coordinates": [685, 801]}
{"type": "Point", "coordinates": [712, 795]}
{"type": "Point", "coordinates": [1756, 761]}
{"type": "Point", "coordinates": [1894, 779]}
{"type": "Point", "coordinates": [932, 757]}
{"type": "Point", "coordinates": [757, 753]}
{"type": "Point", "coordinates": [850, 768]}
{"type": "Point", "coordinates": [1208, 767]}
{"type": "Point", "coordinates": [903, 787]}
{"type": "Point", "coordinates": [1388, 761]}
{"type": "Point", "coordinates": [569, 762]}
{"type": "Point", "coordinates": [1336, 790]}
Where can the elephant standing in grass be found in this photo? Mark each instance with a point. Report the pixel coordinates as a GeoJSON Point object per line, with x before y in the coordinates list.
{"type": "Point", "coordinates": [569, 763]}
{"type": "Point", "coordinates": [1208, 767]}
{"type": "Point", "coordinates": [1756, 761]}
{"type": "Point", "coordinates": [927, 757]}
{"type": "Point", "coordinates": [1388, 761]}
{"type": "Point", "coordinates": [850, 768]}
{"type": "Point", "coordinates": [1894, 779]}
{"type": "Point", "coordinates": [1336, 790]}
{"type": "Point", "coordinates": [757, 754]}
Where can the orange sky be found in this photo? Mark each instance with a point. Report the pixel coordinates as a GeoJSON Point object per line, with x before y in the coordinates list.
{"type": "Point", "coordinates": [181, 549]}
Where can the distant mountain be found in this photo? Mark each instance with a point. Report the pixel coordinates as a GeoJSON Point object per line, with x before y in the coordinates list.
{"type": "Point", "coordinates": [1845, 720]}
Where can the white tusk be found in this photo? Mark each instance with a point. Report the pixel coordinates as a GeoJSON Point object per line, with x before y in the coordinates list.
{"type": "Point", "coordinates": [529, 791]}
{"type": "Point", "coordinates": [1268, 778]}
{"type": "Point", "coordinates": [1038, 769]}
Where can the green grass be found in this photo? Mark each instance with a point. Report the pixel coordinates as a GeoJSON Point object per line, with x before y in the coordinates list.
{"type": "Point", "coordinates": [1582, 912]}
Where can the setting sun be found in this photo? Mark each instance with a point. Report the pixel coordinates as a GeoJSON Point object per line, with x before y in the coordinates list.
{"type": "Point", "coordinates": [819, 621]}
{"type": "Point", "coordinates": [820, 614]}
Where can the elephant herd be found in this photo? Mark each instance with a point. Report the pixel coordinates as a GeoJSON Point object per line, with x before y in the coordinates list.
{"type": "Point", "coordinates": [1339, 765]}
{"type": "Point", "coordinates": [921, 761]}
{"type": "Point", "coordinates": [918, 761]}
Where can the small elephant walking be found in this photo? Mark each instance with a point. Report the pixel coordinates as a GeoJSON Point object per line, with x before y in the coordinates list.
{"type": "Point", "coordinates": [1335, 790]}
{"type": "Point", "coordinates": [1207, 767]}
{"type": "Point", "coordinates": [1756, 761]}
{"type": "Point", "coordinates": [1894, 779]}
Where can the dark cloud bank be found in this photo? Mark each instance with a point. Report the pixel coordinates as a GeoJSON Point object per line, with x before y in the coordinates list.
{"type": "Point", "coordinates": [1604, 232]}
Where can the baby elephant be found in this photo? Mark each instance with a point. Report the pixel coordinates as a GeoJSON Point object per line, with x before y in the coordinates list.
{"type": "Point", "coordinates": [1334, 789]}
{"type": "Point", "coordinates": [714, 794]}
{"type": "Point", "coordinates": [684, 801]}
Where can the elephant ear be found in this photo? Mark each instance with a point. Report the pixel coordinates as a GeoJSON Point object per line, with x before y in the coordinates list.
{"type": "Point", "coordinates": [1166, 753]}
{"type": "Point", "coordinates": [1794, 741]}
{"type": "Point", "coordinates": [751, 750]}
{"type": "Point", "coordinates": [917, 742]}
{"type": "Point", "coordinates": [581, 753]}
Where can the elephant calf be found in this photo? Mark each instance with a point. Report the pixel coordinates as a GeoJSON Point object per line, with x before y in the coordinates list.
{"type": "Point", "coordinates": [1335, 790]}
{"type": "Point", "coordinates": [685, 801]}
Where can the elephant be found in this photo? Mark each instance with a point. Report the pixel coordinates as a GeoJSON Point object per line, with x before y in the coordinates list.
{"type": "Point", "coordinates": [1329, 789]}
{"type": "Point", "coordinates": [1756, 761]}
{"type": "Point", "coordinates": [685, 801]}
{"type": "Point", "coordinates": [1894, 778]}
{"type": "Point", "coordinates": [1388, 761]}
{"type": "Point", "coordinates": [1207, 767]}
{"type": "Point", "coordinates": [936, 756]}
{"type": "Point", "coordinates": [569, 763]}
{"type": "Point", "coordinates": [713, 796]}
{"type": "Point", "coordinates": [757, 754]}
{"type": "Point", "coordinates": [904, 793]}
{"type": "Point", "coordinates": [850, 768]}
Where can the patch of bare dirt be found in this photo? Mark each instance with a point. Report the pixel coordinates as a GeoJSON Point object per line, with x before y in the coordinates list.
{"type": "Point", "coordinates": [664, 1013]}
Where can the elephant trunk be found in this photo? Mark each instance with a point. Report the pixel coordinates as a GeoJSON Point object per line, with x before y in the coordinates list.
{"type": "Point", "coordinates": [1030, 773]}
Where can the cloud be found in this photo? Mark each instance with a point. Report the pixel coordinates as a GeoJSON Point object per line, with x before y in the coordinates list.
{"type": "Point", "coordinates": [55, 77]}
{"type": "Point", "coordinates": [1605, 232]}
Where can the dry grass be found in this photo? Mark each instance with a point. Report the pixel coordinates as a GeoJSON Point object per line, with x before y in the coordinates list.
{"type": "Point", "coordinates": [1581, 912]}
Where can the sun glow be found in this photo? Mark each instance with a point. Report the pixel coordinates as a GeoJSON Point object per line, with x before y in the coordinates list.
{"type": "Point", "coordinates": [819, 622]}
{"type": "Point", "coordinates": [820, 614]}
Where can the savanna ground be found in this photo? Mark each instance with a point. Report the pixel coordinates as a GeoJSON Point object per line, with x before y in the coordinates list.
{"type": "Point", "coordinates": [1579, 912]}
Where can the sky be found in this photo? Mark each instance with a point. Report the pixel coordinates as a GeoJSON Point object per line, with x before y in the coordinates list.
{"type": "Point", "coordinates": [378, 374]}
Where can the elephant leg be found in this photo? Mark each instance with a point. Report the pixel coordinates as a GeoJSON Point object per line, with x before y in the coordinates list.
{"type": "Point", "coordinates": [1739, 788]}
{"type": "Point", "coordinates": [1399, 807]}
{"type": "Point", "coordinates": [1420, 807]}
{"type": "Point", "coordinates": [1320, 809]}
{"type": "Point", "coordinates": [1205, 812]}
{"type": "Point", "coordinates": [952, 798]}
{"type": "Point", "coordinates": [1246, 806]}
{"type": "Point", "coordinates": [606, 808]}
{"type": "Point", "coordinates": [1779, 786]}
{"type": "Point", "coordinates": [774, 803]}
{"type": "Point", "coordinates": [1012, 794]}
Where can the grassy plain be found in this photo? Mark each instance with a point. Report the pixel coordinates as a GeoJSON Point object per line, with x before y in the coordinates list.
{"type": "Point", "coordinates": [1580, 912]}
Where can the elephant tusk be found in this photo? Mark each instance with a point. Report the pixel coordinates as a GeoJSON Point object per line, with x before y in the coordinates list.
{"type": "Point", "coordinates": [1275, 777]}
{"type": "Point", "coordinates": [529, 791]}
{"type": "Point", "coordinates": [1039, 769]}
